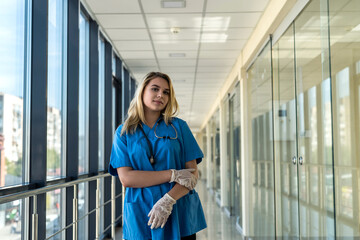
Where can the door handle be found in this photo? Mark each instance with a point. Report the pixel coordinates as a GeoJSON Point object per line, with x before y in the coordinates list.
{"type": "Point", "coordinates": [294, 160]}
{"type": "Point", "coordinates": [301, 160]}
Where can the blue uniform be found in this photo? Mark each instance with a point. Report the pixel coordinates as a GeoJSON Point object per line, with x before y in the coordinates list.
{"type": "Point", "coordinates": [132, 150]}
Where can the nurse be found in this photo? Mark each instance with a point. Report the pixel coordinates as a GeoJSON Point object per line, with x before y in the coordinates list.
{"type": "Point", "coordinates": [155, 156]}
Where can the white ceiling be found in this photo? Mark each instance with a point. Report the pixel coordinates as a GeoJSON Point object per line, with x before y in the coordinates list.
{"type": "Point", "coordinates": [212, 35]}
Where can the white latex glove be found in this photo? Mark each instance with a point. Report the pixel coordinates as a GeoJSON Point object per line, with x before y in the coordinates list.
{"type": "Point", "coordinates": [161, 211]}
{"type": "Point", "coordinates": [184, 177]}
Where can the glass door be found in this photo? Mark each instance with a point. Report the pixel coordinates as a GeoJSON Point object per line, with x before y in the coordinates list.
{"type": "Point", "coordinates": [303, 127]}
{"type": "Point", "coordinates": [314, 122]}
{"type": "Point", "coordinates": [285, 137]}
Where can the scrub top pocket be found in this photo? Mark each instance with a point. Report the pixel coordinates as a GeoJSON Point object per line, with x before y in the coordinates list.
{"type": "Point", "coordinates": [191, 214]}
{"type": "Point", "coordinates": [135, 226]}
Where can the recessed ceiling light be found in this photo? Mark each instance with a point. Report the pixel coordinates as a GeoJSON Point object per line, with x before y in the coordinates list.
{"type": "Point", "coordinates": [174, 30]}
{"type": "Point", "coordinates": [177, 55]}
{"type": "Point", "coordinates": [173, 3]}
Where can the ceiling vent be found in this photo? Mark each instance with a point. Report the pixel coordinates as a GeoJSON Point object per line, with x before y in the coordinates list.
{"type": "Point", "coordinates": [173, 3]}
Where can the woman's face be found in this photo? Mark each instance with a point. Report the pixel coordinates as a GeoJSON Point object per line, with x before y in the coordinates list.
{"type": "Point", "coordinates": [156, 95]}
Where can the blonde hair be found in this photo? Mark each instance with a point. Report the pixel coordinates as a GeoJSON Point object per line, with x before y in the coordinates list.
{"type": "Point", "coordinates": [136, 114]}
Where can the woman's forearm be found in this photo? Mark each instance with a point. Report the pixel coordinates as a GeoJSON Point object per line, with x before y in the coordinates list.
{"type": "Point", "coordinates": [141, 179]}
{"type": "Point", "coordinates": [178, 191]}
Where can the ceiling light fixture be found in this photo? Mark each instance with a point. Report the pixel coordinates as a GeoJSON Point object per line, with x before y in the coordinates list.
{"type": "Point", "coordinates": [173, 3]}
{"type": "Point", "coordinates": [177, 55]}
{"type": "Point", "coordinates": [356, 29]}
{"type": "Point", "coordinates": [174, 30]}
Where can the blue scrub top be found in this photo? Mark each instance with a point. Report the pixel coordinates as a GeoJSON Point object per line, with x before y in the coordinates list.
{"type": "Point", "coordinates": [132, 150]}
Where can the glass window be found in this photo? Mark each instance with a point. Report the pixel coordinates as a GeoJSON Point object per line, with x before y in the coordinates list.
{"type": "Point", "coordinates": [11, 219]}
{"type": "Point", "coordinates": [55, 88]}
{"type": "Point", "coordinates": [83, 191]}
{"type": "Point", "coordinates": [83, 94]}
{"type": "Point", "coordinates": [113, 91]}
{"type": "Point", "coordinates": [101, 128]}
{"type": "Point", "coordinates": [54, 215]}
{"type": "Point", "coordinates": [12, 85]}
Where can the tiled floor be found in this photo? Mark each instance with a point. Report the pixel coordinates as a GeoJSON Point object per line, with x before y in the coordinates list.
{"type": "Point", "coordinates": [220, 227]}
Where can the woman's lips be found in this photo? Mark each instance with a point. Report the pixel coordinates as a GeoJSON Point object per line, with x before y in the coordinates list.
{"type": "Point", "coordinates": [158, 102]}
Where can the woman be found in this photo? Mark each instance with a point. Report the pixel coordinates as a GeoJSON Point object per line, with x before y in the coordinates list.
{"type": "Point", "coordinates": [155, 156]}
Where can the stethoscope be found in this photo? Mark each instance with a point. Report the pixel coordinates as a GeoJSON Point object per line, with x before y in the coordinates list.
{"type": "Point", "coordinates": [151, 159]}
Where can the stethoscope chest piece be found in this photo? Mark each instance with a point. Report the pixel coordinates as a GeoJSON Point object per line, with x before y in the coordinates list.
{"type": "Point", "coordinates": [152, 161]}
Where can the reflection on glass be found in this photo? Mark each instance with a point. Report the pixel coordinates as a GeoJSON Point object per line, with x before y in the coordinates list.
{"type": "Point", "coordinates": [345, 71]}
{"type": "Point", "coordinates": [12, 57]}
{"type": "Point", "coordinates": [55, 88]}
{"type": "Point", "coordinates": [262, 208]}
{"type": "Point", "coordinates": [101, 128]}
{"type": "Point", "coordinates": [11, 220]}
{"type": "Point", "coordinates": [53, 213]}
{"type": "Point", "coordinates": [83, 94]}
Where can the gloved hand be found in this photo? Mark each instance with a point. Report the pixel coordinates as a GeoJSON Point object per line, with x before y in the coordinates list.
{"type": "Point", "coordinates": [184, 177]}
{"type": "Point", "coordinates": [161, 211]}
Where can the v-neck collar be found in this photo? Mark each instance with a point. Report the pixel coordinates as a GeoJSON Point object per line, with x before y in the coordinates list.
{"type": "Point", "coordinates": [147, 127]}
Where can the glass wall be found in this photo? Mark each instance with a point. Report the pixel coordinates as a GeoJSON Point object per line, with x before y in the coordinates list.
{"type": "Point", "coordinates": [12, 85]}
{"type": "Point", "coordinates": [263, 209]}
{"type": "Point", "coordinates": [83, 94]}
{"type": "Point", "coordinates": [345, 77]}
{"type": "Point", "coordinates": [55, 88]}
{"type": "Point", "coordinates": [311, 83]}
{"type": "Point", "coordinates": [14, 21]}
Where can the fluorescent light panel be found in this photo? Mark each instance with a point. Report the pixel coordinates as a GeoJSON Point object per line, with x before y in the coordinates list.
{"type": "Point", "coordinates": [175, 55]}
{"type": "Point", "coordinates": [173, 4]}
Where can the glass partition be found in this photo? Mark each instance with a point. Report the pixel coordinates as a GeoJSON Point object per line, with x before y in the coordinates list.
{"type": "Point", "coordinates": [345, 74]}
{"type": "Point", "coordinates": [285, 138]}
{"type": "Point", "coordinates": [314, 120]}
{"type": "Point", "coordinates": [262, 209]}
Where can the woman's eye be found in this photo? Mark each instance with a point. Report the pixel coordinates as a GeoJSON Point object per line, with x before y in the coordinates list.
{"type": "Point", "coordinates": [155, 89]}
{"type": "Point", "coordinates": [166, 93]}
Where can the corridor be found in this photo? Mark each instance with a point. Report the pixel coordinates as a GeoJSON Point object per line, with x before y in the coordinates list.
{"type": "Point", "coordinates": [270, 90]}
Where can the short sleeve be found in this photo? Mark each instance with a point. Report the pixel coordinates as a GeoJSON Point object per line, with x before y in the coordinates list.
{"type": "Point", "coordinates": [191, 147]}
{"type": "Point", "coordinates": [119, 155]}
